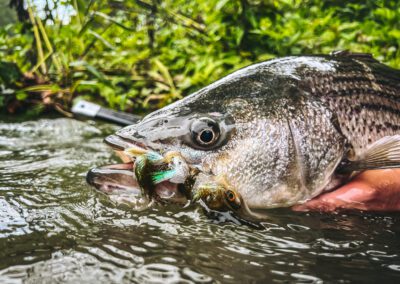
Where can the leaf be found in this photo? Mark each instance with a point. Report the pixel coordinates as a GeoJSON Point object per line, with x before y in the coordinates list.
{"type": "Point", "coordinates": [9, 73]}
{"type": "Point", "coordinates": [113, 20]}
{"type": "Point", "coordinates": [90, 68]}
{"type": "Point", "coordinates": [53, 88]}
{"type": "Point", "coordinates": [166, 75]}
{"type": "Point", "coordinates": [102, 39]}
{"type": "Point", "coordinates": [21, 95]}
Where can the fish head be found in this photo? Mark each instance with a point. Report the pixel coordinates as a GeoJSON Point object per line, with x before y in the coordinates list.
{"type": "Point", "coordinates": [201, 123]}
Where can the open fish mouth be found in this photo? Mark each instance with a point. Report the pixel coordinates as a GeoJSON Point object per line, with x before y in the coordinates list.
{"type": "Point", "coordinates": [112, 179]}
{"type": "Point", "coordinates": [120, 180]}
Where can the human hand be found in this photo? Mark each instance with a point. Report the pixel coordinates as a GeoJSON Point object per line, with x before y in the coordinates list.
{"type": "Point", "coordinates": [373, 190]}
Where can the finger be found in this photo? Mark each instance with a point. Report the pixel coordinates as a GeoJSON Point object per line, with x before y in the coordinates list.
{"type": "Point", "coordinates": [374, 190]}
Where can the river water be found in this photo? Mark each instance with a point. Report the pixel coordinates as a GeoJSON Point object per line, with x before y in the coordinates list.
{"type": "Point", "coordinates": [56, 229]}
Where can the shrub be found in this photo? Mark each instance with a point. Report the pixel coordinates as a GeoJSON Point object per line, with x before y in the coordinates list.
{"type": "Point", "coordinates": [140, 55]}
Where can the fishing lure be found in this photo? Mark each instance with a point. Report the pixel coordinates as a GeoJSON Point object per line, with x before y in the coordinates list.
{"type": "Point", "coordinates": [152, 168]}
{"type": "Point", "coordinates": [216, 193]}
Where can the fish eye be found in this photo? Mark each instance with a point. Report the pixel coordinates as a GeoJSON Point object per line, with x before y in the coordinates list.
{"type": "Point", "coordinates": [205, 132]}
{"type": "Point", "coordinates": [232, 199]}
{"type": "Point", "coordinates": [230, 195]}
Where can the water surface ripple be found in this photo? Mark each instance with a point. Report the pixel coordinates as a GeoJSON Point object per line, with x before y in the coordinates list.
{"type": "Point", "coordinates": [54, 228]}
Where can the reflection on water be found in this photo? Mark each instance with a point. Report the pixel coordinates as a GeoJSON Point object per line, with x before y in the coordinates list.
{"type": "Point", "coordinates": [54, 228]}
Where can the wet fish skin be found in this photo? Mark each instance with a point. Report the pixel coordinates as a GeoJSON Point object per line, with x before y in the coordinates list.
{"type": "Point", "coordinates": [365, 96]}
{"type": "Point", "coordinates": [286, 124]}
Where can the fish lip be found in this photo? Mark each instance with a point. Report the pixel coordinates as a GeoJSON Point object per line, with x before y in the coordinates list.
{"type": "Point", "coordinates": [114, 178]}
{"type": "Point", "coordinates": [119, 143]}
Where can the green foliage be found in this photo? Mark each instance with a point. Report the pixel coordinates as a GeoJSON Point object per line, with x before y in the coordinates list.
{"type": "Point", "coordinates": [140, 55]}
{"type": "Point", "coordinates": [9, 73]}
{"type": "Point", "coordinates": [7, 15]}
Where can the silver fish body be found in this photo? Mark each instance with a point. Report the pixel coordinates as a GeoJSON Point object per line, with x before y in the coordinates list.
{"type": "Point", "coordinates": [278, 131]}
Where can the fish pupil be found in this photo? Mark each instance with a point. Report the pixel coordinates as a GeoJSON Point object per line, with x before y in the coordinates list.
{"type": "Point", "coordinates": [206, 136]}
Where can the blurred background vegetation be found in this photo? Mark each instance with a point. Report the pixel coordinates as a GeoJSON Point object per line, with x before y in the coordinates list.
{"type": "Point", "coordinates": [140, 55]}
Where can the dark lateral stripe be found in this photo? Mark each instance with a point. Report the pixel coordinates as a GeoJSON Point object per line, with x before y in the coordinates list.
{"type": "Point", "coordinates": [359, 78]}
{"type": "Point", "coordinates": [380, 107]}
{"type": "Point", "coordinates": [388, 82]}
{"type": "Point", "coordinates": [386, 125]}
{"type": "Point", "coordinates": [385, 80]}
{"type": "Point", "coordinates": [364, 92]}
